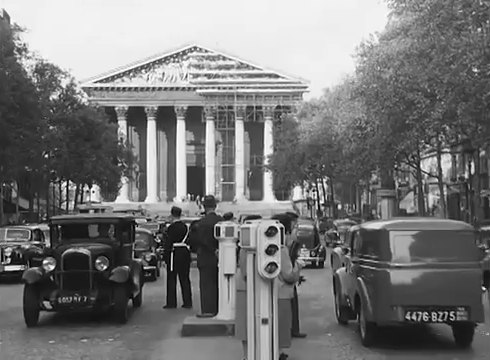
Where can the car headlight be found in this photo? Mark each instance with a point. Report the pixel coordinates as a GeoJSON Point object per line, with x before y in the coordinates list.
{"type": "Point", "coordinates": [101, 263]}
{"type": "Point", "coordinates": [313, 253]}
{"type": "Point", "coordinates": [49, 264]}
{"type": "Point", "coordinates": [148, 257]}
{"type": "Point", "coordinates": [7, 251]}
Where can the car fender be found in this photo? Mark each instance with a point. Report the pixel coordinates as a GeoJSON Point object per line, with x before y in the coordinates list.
{"type": "Point", "coordinates": [364, 295]}
{"type": "Point", "coordinates": [336, 257]}
{"type": "Point", "coordinates": [340, 281]}
{"type": "Point", "coordinates": [120, 274]}
{"type": "Point", "coordinates": [32, 275]}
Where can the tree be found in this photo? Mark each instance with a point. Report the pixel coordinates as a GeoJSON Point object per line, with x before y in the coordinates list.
{"type": "Point", "coordinates": [19, 117]}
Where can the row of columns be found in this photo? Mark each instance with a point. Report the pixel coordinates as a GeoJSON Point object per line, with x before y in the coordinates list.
{"type": "Point", "coordinates": [210, 156]}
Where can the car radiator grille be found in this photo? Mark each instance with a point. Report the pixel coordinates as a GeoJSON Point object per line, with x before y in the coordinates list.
{"type": "Point", "coordinates": [76, 274]}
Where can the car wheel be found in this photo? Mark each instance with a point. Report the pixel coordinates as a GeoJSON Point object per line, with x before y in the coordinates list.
{"type": "Point", "coordinates": [367, 329]}
{"type": "Point", "coordinates": [158, 271]}
{"type": "Point", "coordinates": [31, 305]}
{"type": "Point", "coordinates": [121, 300]}
{"type": "Point", "coordinates": [138, 299]}
{"type": "Point", "coordinates": [340, 310]}
{"type": "Point", "coordinates": [321, 264]}
{"type": "Point", "coordinates": [463, 334]}
{"type": "Point", "coordinates": [154, 275]}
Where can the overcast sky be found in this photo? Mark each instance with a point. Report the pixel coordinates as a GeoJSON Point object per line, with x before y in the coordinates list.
{"type": "Point", "coordinates": [311, 39]}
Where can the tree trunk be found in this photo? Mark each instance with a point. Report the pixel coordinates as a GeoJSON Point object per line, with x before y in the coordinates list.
{"type": "Point", "coordinates": [325, 195]}
{"type": "Point", "coordinates": [76, 196]}
{"type": "Point", "coordinates": [53, 187]}
{"type": "Point", "coordinates": [478, 211]}
{"type": "Point", "coordinates": [440, 179]}
{"type": "Point", "coordinates": [60, 197]}
{"type": "Point", "coordinates": [48, 202]}
{"type": "Point", "coordinates": [81, 193]}
{"type": "Point", "coordinates": [318, 205]}
{"type": "Point", "coordinates": [67, 196]}
{"type": "Point", "coordinates": [38, 200]}
{"type": "Point", "coordinates": [332, 199]}
{"type": "Point", "coordinates": [17, 198]}
{"type": "Point", "coordinates": [2, 214]}
{"type": "Point", "coordinates": [420, 186]}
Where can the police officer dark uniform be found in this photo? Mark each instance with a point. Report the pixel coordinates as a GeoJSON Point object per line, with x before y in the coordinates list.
{"type": "Point", "coordinates": [177, 256]}
{"type": "Point", "coordinates": [207, 258]}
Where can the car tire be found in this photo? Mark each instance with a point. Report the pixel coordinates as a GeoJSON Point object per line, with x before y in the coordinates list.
{"type": "Point", "coordinates": [121, 300]}
{"type": "Point", "coordinates": [367, 329]}
{"type": "Point", "coordinates": [154, 275]}
{"type": "Point", "coordinates": [341, 311]}
{"type": "Point", "coordinates": [31, 306]}
{"type": "Point", "coordinates": [138, 299]}
{"type": "Point", "coordinates": [158, 272]}
{"type": "Point", "coordinates": [463, 333]}
{"type": "Point", "coordinates": [321, 265]}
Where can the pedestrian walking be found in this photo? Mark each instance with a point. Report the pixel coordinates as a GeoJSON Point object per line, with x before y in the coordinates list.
{"type": "Point", "coordinates": [177, 256]}
{"type": "Point", "coordinates": [207, 258]}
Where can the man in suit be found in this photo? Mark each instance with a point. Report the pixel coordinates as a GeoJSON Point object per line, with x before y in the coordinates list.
{"type": "Point", "coordinates": [207, 258]}
{"type": "Point", "coordinates": [177, 256]}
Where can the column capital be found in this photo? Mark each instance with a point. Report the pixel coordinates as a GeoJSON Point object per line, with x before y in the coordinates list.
{"type": "Point", "coordinates": [268, 110]}
{"type": "Point", "coordinates": [121, 112]}
{"type": "Point", "coordinates": [209, 111]}
{"type": "Point", "coordinates": [180, 111]}
{"type": "Point", "coordinates": [240, 111]}
{"type": "Point", "coordinates": [151, 111]}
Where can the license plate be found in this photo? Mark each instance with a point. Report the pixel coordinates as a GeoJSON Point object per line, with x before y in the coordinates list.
{"type": "Point", "coordinates": [305, 252]}
{"type": "Point", "coordinates": [14, 267]}
{"type": "Point", "coordinates": [73, 299]}
{"type": "Point", "coordinates": [436, 316]}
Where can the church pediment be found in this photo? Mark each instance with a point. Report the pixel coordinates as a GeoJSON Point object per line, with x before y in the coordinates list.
{"type": "Point", "coordinates": [195, 67]}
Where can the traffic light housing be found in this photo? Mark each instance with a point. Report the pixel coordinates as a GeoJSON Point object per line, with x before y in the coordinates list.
{"type": "Point", "coordinates": [269, 238]}
{"type": "Point", "coordinates": [225, 230]}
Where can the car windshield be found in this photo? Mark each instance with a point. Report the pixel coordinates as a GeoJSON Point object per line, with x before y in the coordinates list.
{"type": "Point", "coordinates": [15, 234]}
{"type": "Point", "coordinates": [142, 241]}
{"type": "Point", "coordinates": [433, 246]}
{"type": "Point", "coordinates": [83, 232]}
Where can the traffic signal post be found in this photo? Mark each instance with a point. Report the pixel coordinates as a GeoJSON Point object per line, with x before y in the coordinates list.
{"type": "Point", "coordinates": [262, 241]}
{"type": "Point", "coordinates": [226, 232]}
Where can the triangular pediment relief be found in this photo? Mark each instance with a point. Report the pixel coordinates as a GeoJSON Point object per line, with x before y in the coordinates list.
{"type": "Point", "coordinates": [193, 66]}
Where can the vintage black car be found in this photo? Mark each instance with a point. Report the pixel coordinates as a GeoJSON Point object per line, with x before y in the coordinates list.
{"type": "Point", "coordinates": [90, 266]}
{"type": "Point", "coordinates": [145, 248]}
{"type": "Point", "coordinates": [21, 246]}
{"type": "Point", "coordinates": [310, 249]}
{"type": "Point", "coordinates": [336, 235]}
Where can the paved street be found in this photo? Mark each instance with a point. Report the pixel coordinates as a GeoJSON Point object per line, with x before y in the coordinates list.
{"type": "Point", "coordinates": [153, 333]}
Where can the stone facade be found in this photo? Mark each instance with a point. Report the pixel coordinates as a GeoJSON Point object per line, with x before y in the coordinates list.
{"type": "Point", "coordinates": [198, 121]}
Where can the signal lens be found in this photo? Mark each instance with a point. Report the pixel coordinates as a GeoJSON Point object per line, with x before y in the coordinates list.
{"type": "Point", "coordinates": [271, 268]}
{"type": "Point", "coordinates": [271, 250]}
{"type": "Point", "coordinates": [271, 231]}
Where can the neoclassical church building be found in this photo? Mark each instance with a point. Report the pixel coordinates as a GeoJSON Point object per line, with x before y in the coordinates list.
{"type": "Point", "coordinates": [198, 121]}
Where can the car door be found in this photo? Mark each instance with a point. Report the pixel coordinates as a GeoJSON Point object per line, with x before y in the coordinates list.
{"type": "Point", "coordinates": [351, 262]}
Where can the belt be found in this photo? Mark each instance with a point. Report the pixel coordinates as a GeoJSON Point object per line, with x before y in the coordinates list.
{"type": "Point", "coordinates": [176, 245]}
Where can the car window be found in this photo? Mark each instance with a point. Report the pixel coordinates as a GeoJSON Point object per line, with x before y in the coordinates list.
{"type": "Point", "coordinates": [433, 246]}
{"type": "Point", "coordinates": [15, 234]}
{"type": "Point", "coordinates": [355, 243]}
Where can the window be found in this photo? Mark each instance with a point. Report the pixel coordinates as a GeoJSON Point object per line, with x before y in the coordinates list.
{"type": "Point", "coordinates": [433, 246]}
{"type": "Point", "coordinates": [356, 243]}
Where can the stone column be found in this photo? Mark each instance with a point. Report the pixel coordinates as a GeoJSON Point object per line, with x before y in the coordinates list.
{"type": "Point", "coordinates": [210, 151]}
{"type": "Point", "coordinates": [268, 149]}
{"type": "Point", "coordinates": [151, 155]}
{"type": "Point", "coordinates": [122, 122]}
{"type": "Point", "coordinates": [181, 155]}
{"type": "Point", "coordinates": [239, 153]}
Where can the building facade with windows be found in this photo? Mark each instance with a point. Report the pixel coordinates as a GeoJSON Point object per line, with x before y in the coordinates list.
{"type": "Point", "coordinates": [198, 121]}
